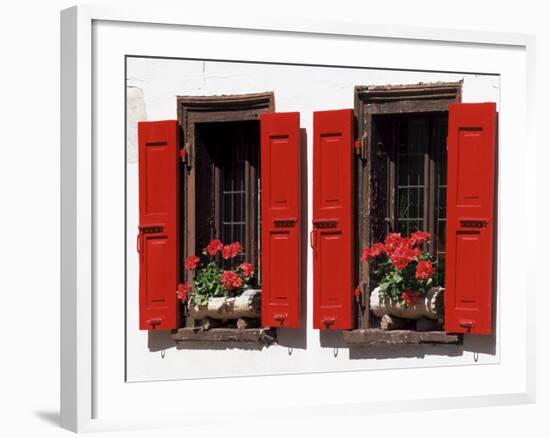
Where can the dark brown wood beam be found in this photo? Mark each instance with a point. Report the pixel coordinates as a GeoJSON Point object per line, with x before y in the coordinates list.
{"type": "Point", "coordinates": [260, 336]}
{"type": "Point", "coordinates": [377, 336]}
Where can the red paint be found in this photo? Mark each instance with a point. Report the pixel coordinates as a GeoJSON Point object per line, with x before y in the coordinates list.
{"type": "Point", "coordinates": [332, 237]}
{"type": "Point", "coordinates": [470, 218]}
{"type": "Point", "coordinates": [158, 237]}
{"type": "Point", "coordinates": [281, 219]}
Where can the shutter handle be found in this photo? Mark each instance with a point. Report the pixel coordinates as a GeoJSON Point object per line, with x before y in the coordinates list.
{"type": "Point", "coordinates": [138, 243]}
{"type": "Point", "coordinates": [280, 318]}
{"type": "Point", "coordinates": [153, 322]}
{"type": "Point", "coordinates": [467, 324]}
{"type": "Point", "coordinates": [327, 322]}
{"type": "Point", "coordinates": [312, 239]}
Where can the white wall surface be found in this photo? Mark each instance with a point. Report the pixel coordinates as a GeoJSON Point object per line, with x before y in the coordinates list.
{"type": "Point", "coordinates": [29, 184]}
{"type": "Point", "coordinates": [153, 356]}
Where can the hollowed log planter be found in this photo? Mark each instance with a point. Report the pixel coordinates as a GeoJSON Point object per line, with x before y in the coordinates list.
{"type": "Point", "coordinates": [246, 305]}
{"type": "Point", "coordinates": [428, 306]}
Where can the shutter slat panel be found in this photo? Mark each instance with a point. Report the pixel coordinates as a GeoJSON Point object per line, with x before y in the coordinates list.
{"type": "Point", "coordinates": [469, 273]}
{"type": "Point", "coordinates": [281, 219]}
{"type": "Point", "coordinates": [333, 232]}
{"type": "Point", "coordinates": [158, 236]}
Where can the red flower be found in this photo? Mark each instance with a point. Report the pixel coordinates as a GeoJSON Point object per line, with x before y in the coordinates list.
{"type": "Point", "coordinates": [191, 262]}
{"type": "Point", "coordinates": [404, 254]}
{"type": "Point", "coordinates": [231, 250]}
{"type": "Point", "coordinates": [213, 247]}
{"type": "Point", "coordinates": [236, 249]}
{"type": "Point", "coordinates": [424, 270]}
{"type": "Point", "coordinates": [409, 297]}
{"type": "Point", "coordinates": [226, 252]}
{"type": "Point", "coordinates": [183, 291]}
{"type": "Point", "coordinates": [230, 280]}
{"type": "Point", "coordinates": [374, 251]}
{"type": "Point", "coordinates": [377, 249]}
{"type": "Point", "coordinates": [247, 269]}
{"type": "Point", "coordinates": [419, 237]}
{"type": "Point", "coordinates": [392, 242]}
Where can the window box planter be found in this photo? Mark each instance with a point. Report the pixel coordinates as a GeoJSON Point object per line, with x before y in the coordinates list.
{"type": "Point", "coordinates": [429, 306]}
{"type": "Point", "coordinates": [245, 305]}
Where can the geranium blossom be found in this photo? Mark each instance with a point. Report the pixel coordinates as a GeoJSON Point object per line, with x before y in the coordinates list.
{"type": "Point", "coordinates": [231, 250]}
{"type": "Point", "coordinates": [424, 270]}
{"type": "Point", "coordinates": [230, 280]}
{"type": "Point", "coordinates": [409, 297]}
{"type": "Point", "coordinates": [402, 268]}
{"type": "Point", "coordinates": [183, 291]}
{"type": "Point", "coordinates": [404, 254]}
{"type": "Point", "coordinates": [213, 247]}
{"type": "Point", "coordinates": [419, 237]}
{"type": "Point", "coordinates": [236, 249]}
{"type": "Point", "coordinates": [247, 269]}
{"type": "Point", "coordinates": [226, 252]}
{"type": "Point", "coordinates": [191, 262]}
{"type": "Point", "coordinates": [374, 251]}
{"type": "Point", "coordinates": [392, 242]}
{"type": "Point", "coordinates": [377, 249]}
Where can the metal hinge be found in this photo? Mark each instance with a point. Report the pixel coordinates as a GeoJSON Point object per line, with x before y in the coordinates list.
{"type": "Point", "coordinates": [361, 145]}
{"type": "Point", "coordinates": [358, 295]}
{"type": "Point", "coordinates": [361, 293]}
{"type": "Point", "coordinates": [185, 154]}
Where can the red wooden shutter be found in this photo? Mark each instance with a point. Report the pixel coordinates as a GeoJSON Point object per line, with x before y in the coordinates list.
{"type": "Point", "coordinates": [470, 217]}
{"type": "Point", "coordinates": [332, 235]}
{"type": "Point", "coordinates": [158, 237]}
{"type": "Point", "coordinates": [281, 219]}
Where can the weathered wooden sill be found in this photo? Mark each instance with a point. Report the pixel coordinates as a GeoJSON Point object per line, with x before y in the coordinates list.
{"type": "Point", "coordinates": [378, 336]}
{"type": "Point", "coordinates": [220, 336]}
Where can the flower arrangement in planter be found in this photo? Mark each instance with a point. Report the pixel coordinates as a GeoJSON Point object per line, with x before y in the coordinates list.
{"type": "Point", "coordinates": [407, 282]}
{"type": "Point", "coordinates": [219, 291]}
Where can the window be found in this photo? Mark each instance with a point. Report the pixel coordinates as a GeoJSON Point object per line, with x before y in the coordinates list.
{"type": "Point", "coordinates": [229, 169]}
{"type": "Point", "coordinates": [415, 144]}
{"type": "Point", "coordinates": [387, 173]}
{"type": "Point", "coordinates": [401, 175]}
{"type": "Point", "coordinates": [222, 177]}
{"type": "Point", "coordinates": [407, 158]}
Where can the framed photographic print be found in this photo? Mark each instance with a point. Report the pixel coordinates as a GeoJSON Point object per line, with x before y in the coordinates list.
{"type": "Point", "coordinates": [321, 217]}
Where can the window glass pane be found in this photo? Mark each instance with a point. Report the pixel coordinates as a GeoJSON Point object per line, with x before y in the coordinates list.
{"type": "Point", "coordinates": [411, 153]}
{"type": "Point", "coordinates": [233, 195]}
{"type": "Point", "coordinates": [440, 149]}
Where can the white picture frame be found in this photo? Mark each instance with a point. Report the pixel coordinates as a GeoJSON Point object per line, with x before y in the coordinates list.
{"type": "Point", "coordinates": [86, 378]}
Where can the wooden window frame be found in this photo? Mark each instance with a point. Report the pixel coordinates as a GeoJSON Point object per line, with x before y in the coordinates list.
{"type": "Point", "coordinates": [207, 109]}
{"type": "Point", "coordinates": [376, 100]}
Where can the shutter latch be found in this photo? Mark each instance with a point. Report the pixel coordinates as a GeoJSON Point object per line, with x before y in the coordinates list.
{"type": "Point", "coordinates": [467, 324]}
{"type": "Point", "coordinates": [154, 322]}
{"type": "Point", "coordinates": [358, 295]}
{"type": "Point", "coordinates": [327, 322]}
{"type": "Point", "coordinates": [281, 318]}
{"type": "Point", "coordinates": [361, 145]}
{"type": "Point", "coordinates": [184, 154]}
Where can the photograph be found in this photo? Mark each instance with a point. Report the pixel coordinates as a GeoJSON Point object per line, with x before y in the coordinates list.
{"type": "Point", "coordinates": [293, 218]}
{"type": "Point", "coordinates": [328, 219]}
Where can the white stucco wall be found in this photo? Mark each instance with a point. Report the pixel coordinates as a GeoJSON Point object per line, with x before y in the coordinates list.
{"type": "Point", "coordinates": [152, 87]}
